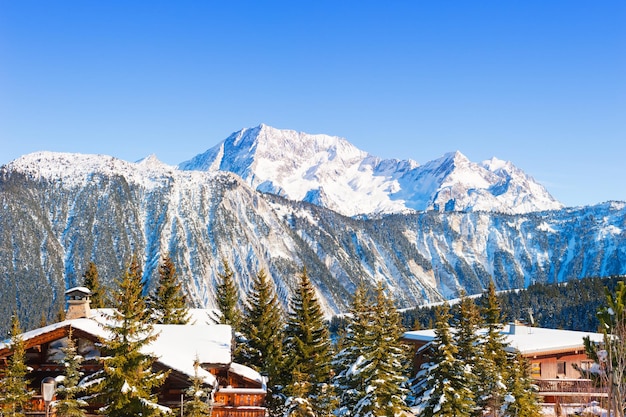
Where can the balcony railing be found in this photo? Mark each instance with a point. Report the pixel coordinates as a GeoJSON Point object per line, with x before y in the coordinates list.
{"type": "Point", "coordinates": [569, 387]}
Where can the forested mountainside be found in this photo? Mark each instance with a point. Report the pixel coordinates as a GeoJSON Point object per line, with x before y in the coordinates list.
{"type": "Point", "coordinates": [71, 209]}
{"type": "Point", "coordinates": [572, 305]}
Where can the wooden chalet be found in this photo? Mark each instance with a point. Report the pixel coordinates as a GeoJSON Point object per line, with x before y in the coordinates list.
{"type": "Point", "coordinates": [236, 390]}
{"type": "Point", "coordinates": [555, 357]}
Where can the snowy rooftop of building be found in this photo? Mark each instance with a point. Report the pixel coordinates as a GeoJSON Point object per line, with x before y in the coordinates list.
{"type": "Point", "coordinates": [177, 346]}
{"type": "Point", "coordinates": [526, 339]}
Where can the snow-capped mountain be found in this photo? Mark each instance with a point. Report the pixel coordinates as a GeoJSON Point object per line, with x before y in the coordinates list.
{"type": "Point", "coordinates": [60, 211]}
{"type": "Point", "coordinates": [330, 172]}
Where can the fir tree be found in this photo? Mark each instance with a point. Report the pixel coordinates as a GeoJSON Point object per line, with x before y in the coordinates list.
{"type": "Point", "coordinates": [168, 304]}
{"type": "Point", "coordinates": [14, 393]}
{"type": "Point", "coordinates": [263, 328]}
{"type": "Point", "coordinates": [298, 403]}
{"type": "Point", "coordinates": [383, 362]}
{"type": "Point", "coordinates": [443, 389]}
{"type": "Point", "coordinates": [200, 403]}
{"type": "Point", "coordinates": [227, 295]}
{"type": "Point", "coordinates": [91, 280]}
{"type": "Point", "coordinates": [61, 314]}
{"type": "Point", "coordinates": [349, 382]}
{"type": "Point", "coordinates": [371, 359]}
{"type": "Point", "coordinates": [493, 369]}
{"type": "Point", "coordinates": [611, 357]}
{"type": "Point", "coordinates": [128, 381]}
{"type": "Point", "coordinates": [521, 400]}
{"type": "Point", "coordinates": [69, 405]}
{"type": "Point", "coordinates": [467, 339]}
{"type": "Point", "coordinates": [309, 349]}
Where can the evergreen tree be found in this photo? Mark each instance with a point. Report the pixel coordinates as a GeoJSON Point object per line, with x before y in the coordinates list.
{"type": "Point", "coordinates": [200, 403]}
{"type": "Point", "coordinates": [168, 304]}
{"type": "Point", "coordinates": [521, 401]}
{"type": "Point", "coordinates": [61, 314]}
{"type": "Point", "coordinates": [349, 381]}
{"type": "Point", "coordinates": [227, 295]}
{"type": "Point", "coordinates": [309, 349]}
{"type": "Point", "coordinates": [91, 280]}
{"type": "Point", "coordinates": [68, 404]}
{"type": "Point", "coordinates": [443, 389]}
{"type": "Point", "coordinates": [467, 340]}
{"type": "Point", "coordinates": [128, 381]}
{"type": "Point", "coordinates": [14, 393]}
{"type": "Point", "coordinates": [383, 363]}
{"type": "Point", "coordinates": [299, 404]}
{"type": "Point", "coordinates": [493, 369]}
{"type": "Point", "coordinates": [43, 320]}
{"type": "Point", "coordinates": [611, 357]}
{"type": "Point", "coordinates": [263, 329]}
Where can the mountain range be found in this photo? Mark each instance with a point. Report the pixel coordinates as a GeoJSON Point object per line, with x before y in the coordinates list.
{"type": "Point", "coordinates": [279, 200]}
{"type": "Point", "coordinates": [330, 172]}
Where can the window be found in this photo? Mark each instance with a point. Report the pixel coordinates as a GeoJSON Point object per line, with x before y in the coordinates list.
{"type": "Point", "coordinates": [560, 367]}
{"type": "Point", "coordinates": [535, 370]}
{"type": "Point", "coordinates": [586, 365]}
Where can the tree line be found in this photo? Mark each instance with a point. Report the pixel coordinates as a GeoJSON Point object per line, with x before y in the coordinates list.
{"type": "Point", "coordinates": [470, 373]}
{"type": "Point", "coordinates": [308, 374]}
{"type": "Point", "coordinates": [359, 369]}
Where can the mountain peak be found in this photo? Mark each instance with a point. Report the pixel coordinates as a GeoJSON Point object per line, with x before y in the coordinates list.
{"type": "Point", "coordinates": [333, 173]}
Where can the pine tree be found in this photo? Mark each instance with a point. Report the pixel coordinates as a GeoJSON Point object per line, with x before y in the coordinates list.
{"type": "Point", "coordinates": [200, 404]}
{"type": "Point", "coordinates": [227, 295]}
{"type": "Point", "coordinates": [68, 404]}
{"type": "Point", "coordinates": [168, 304]}
{"type": "Point", "coordinates": [309, 350]}
{"type": "Point", "coordinates": [383, 363]}
{"type": "Point", "coordinates": [14, 393]}
{"type": "Point", "coordinates": [128, 380]}
{"type": "Point", "coordinates": [349, 381]}
{"type": "Point", "coordinates": [521, 400]}
{"type": "Point", "coordinates": [612, 355]}
{"type": "Point", "coordinates": [467, 340]}
{"type": "Point", "coordinates": [91, 280]}
{"type": "Point", "coordinates": [443, 389]}
{"type": "Point", "coordinates": [263, 328]}
{"type": "Point", "coordinates": [493, 369]}
{"type": "Point", "coordinates": [299, 404]}
{"type": "Point", "coordinates": [371, 359]}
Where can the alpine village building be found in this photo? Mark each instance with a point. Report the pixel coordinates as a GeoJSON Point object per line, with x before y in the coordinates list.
{"type": "Point", "coordinates": [236, 390]}
{"type": "Point", "coordinates": [555, 357]}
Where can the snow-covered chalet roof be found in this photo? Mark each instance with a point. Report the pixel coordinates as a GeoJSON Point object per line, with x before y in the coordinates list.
{"type": "Point", "coordinates": [176, 346]}
{"type": "Point", "coordinates": [525, 339]}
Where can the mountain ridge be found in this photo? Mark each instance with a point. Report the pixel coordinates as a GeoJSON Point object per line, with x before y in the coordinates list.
{"type": "Point", "coordinates": [60, 211]}
{"type": "Point", "coordinates": [305, 167]}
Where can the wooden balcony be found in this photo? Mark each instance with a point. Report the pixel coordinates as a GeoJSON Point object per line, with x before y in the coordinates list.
{"type": "Point", "coordinates": [569, 388]}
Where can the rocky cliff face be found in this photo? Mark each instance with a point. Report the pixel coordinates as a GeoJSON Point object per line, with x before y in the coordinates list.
{"type": "Point", "coordinates": [60, 211]}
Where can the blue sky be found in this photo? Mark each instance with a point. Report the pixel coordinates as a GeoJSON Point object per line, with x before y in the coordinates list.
{"type": "Point", "coordinates": [539, 83]}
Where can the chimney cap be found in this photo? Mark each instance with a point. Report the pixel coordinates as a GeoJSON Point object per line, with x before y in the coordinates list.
{"type": "Point", "coordinates": [78, 290]}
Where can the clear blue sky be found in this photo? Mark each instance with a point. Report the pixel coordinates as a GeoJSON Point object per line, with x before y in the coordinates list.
{"type": "Point", "coordinates": [538, 83]}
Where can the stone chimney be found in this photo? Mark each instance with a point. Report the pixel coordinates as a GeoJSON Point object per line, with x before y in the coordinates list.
{"type": "Point", "coordinates": [77, 303]}
{"type": "Point", "coordinates": [516, 325]}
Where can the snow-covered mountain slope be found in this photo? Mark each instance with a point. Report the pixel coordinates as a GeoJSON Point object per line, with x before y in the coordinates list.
{"type": "Point", "coordinates": [332, 173]}
{"type": "Point", "coordinates": [60, 211]}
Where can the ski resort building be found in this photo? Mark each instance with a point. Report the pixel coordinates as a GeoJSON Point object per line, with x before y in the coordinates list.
{"type": "Point", "coordinates": [236, 390]}
{"type": "Point", "coordinates": [555, 357]}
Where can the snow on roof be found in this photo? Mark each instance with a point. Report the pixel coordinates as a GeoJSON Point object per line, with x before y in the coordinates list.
{"type": "Point", "coordinates": [177, 346]}
{"type": "Point", "coordinates": [247, 373]}
{"type": "Point", "coordinates": [203, 316]}
{"type": "Point", "coordinates": [78, 289]}
{"type": "Point", "coordinates": [526, 339]}
{"type": "Point", "coordinates": [88, 325]}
